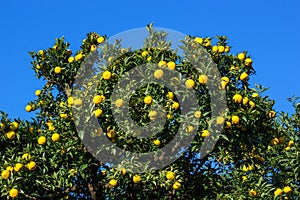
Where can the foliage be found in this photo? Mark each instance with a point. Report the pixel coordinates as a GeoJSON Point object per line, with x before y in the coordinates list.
{"type": "Point", "coordinates": [256, 155]}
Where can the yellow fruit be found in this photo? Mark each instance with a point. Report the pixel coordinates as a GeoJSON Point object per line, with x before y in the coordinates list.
{"type": "Point", "coordinates": [170, 175]}
{"type": "Point", "coordinates": [123, 171]}
{"type": "Point", "coordinates": [221, 49]}
{"type": "Point", "coordinates": [245, 168]}
{"type": "Point", "coordinates": [244, 178]}
{"type": "Point", "coordinates": [278, 191]}
{"type": "Point", "coordinates": [244, 76]}
{"type": "Point", "coordinates": [287, 148]}
{"type": "Point", "coordinates": [198, 40]}
{"type": "Point", "coordinates": [14, 125]}
{"type": "Point", "coordinates": [106, 75]}
{"type": "Point", "coordinates": [149, 58]}
{"type": "Point", "coordinates": [175, 105]}
{"type": "Point", "coordinates": [111, 133]}
{"type": "Point", "coordinates": [11, 135]}
{"type": "Point", "coordinates": [97, 99]}
{"type": "Point", "coordinates": [78, 57]}
{"type": "Point", "coordinates": [237, 98]}
{"type": "Point", "coordinates": [38, 67]}
{"type": "Point", "coordinates": [215, 49]}
{"type": "Point", "coordinates": [228, 124]}
{"type": "Point", "coordinates": [251, 167]}
{"type": "Point", "coordinates": [37, 92]}
{"type": "Point", "coordinates": [245, 100]}
{"type": "Point", "coordinates": [227, 49]}
{"type": "Point", "coordinates": [252, 193]}
{"type": "Point", "coordinates": [206, 43]}
{"type": "Point", "coordinates": [189, 129]}
{"type": "Point", "coordinates": [157, 142]}
{"type": "Point", "coordinates": [248, 62]}
{"type": "Point", "coordinates": [205, 133]}
{"type": "Point", "coordinates": [70, 101]}
{"type": "Point", "coordinates": [41, 52]}
{"type": "Point", "coordinates": [28, 108]}
{"type": "Point", "coordinates": [136, 179]}
{"type": "Point", "coordinates": [63, 115]}
{"type": "Point", "coordinates": [13, 193]}
{"type": "Point", "coordinates": [252, 104]}
{"type": "Point", "coordinates": [18, 167]}
{"type": "Point", "coordinates": [220, 120]}
{"type": "Point", "coordinates": [93, 47]}
{"type": "Point", "coordinates": [158, 73]}
{"type": "Point", "coordinates": [42, 140]}
{"type": "Point", "coordinates": [197, 114]}
{"type": "Point", "coordinates": [235, 119]}
{"type": "Point", "coordinates": [119, 103]}
{"type": "Point", "coordinates": [55, 137]}
{"type": "Point", "coordinates": [5, 174]}
{"type": "Point", "coordinates": [170, 95]}
{"type": "Point", "coordinates": [272, 114]}
{"type": "Point", "coordinates": [170, 116]}
{"type": "Point", "coordinates": [189, 83]}
{"type": "Point", "coordinates": [287, 189]}
{"type": "Point", "coordinates": [100, 40]}
{"type": "Point", "coordinates": [254, 95]}
{"type": "Point", "coordinates": [71, 59]}
{"type": "Point", "coordinates": [275, 141]}
{"type": "Point", "coordinates": [171, 65]}
{"type": "Point", "coordinates": [162, 63]}
{"type": "Point", "coordinates": [1, 127]}
{"type": "Point", "coordinates": [26, 156]}
{"type": "Point", "coordinates": [203, 79]}
{"type": "Point", "coordinates": [225, 79]}
{"type": "Point", "coordinates": [61, 104]}
{"type": "Point", "coordinates": [145, 53]}
{"type": "Point", "coordinates": [148, 100]}
{"type": "Point", "coordinates": [176, 185]}
{"type": "Point", "coordinates": [241, 56]}
{"type": "Point", "coordinates": [113, 182]}
{"type": "Point", "coordinates": [57, 70]}
{"type": "Point", "coordinates": [98, 112]}
{"type": "Point", "coordinates": [78, 102]}
{"type": "Point", "coordinates": [31, 165]}
{"type": "Point", "coordinates": [10, 168]}
{"type": "Point", "coordinates": [152, 114]}
{"type": "Point", "coordinates": [291, 143]}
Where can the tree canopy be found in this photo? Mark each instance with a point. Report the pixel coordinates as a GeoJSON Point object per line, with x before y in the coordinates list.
{"type": "Point", "coordinates": [251, 151]}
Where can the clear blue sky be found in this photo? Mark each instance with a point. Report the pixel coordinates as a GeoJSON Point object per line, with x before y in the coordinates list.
{"type": "Point", "coordinates": [269, 30]}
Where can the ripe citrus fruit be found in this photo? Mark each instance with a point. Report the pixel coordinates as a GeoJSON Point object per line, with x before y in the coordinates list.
{"type": "Point", "coordinates": [42, 140]}
{"type": "Point", "coordinates": [148, 100]}
{"type": "Point", "coordinates": [55, 137]}
{"type": "Point", "coordinates": [202, 79]}
{"type": "Point", "coordinates": [158, 73]}
{"type": "Point", "coordinates": [189, 83]}
{"type": "Point", "coordinates": [170, 175]}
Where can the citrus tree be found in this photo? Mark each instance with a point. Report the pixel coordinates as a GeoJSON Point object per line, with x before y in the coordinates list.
{"type": "Point", "coordinates": [255, 155]}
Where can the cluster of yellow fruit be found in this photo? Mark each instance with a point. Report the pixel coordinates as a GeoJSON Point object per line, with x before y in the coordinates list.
{"type": "Point", "coordinates": [286, 190]}
{"type": "Point", "coordinates": [11, 134]}
{"type": "Point", "coordinates": [42, 139]}
{"type": "Point", "coordinates": [98, 99]}
{"type": "Point", "coordinates": [137, 179]}
{"type": "Point", "coordinates": [5, 174]}
{"type": "Point", "coordinates": [238, 98]}
{"type": "Point", "coordinates": [220, 49]}
{"type": "Point", "coordinates": [171, 177]}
